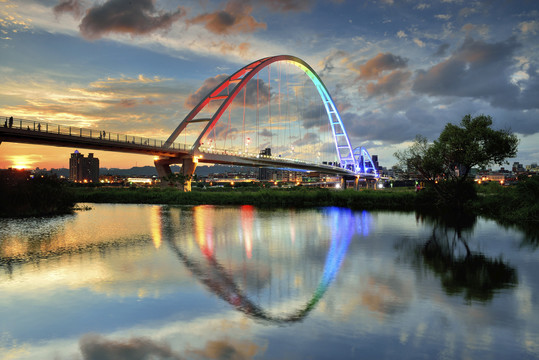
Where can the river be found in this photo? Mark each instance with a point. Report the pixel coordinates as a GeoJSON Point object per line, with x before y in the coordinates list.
{"type": "Point", "coordinates": [206, 282]}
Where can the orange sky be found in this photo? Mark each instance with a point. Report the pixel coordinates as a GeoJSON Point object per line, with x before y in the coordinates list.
{"type": "Point", "coordinates": [32, 156]}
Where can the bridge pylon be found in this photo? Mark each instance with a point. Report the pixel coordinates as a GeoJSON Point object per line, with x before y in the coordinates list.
{"type": "Point", "coordinates": [183, 178]}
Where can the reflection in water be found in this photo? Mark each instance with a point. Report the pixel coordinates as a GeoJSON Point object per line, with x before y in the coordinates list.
{"type": "Point", "coordinates": [156, 226]}
{"type": "Point", "coordinates": [340, 224]}
{"type": "Point", "coordinates": [114, 271]}
{"type": "Point", "coordinates": [460, 270]}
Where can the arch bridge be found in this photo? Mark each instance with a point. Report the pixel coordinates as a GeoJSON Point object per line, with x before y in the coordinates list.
{"type": "Point", "coordinates": [208, 119]}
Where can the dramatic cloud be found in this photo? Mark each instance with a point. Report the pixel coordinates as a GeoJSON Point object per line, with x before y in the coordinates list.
{"type": "Point", "coordinates": [254, 94]}
{"type": "Point", "coordinates": [126, 16]}
{"type": "Point", "coordinates": [478, 70]}
{"type": "Point", "coordinates": [390, 84]}
{"type": "Point", "coordinates": [96, 347]}
{"type": "Point", "coordinates": [74, 7]}
{"type": "Point", "coordinates": [380, 63]}
{"type": "Point", "coordinates": [208, 85]}
{"type": "Point", "coordinates": [235, 18]}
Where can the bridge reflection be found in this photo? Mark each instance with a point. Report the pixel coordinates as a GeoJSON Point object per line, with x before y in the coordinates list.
{"type": "Point", "coordinates": [213, 256]}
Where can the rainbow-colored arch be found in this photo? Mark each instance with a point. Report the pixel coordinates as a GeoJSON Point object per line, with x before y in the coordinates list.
{"type": "Point", "coordinates": [240, 79]}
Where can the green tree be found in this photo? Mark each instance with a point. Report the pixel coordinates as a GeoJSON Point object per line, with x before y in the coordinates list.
{"type": "Point", "coordinates": [445, 164]}
{"type": "Point", "coordinates": [177, 179]}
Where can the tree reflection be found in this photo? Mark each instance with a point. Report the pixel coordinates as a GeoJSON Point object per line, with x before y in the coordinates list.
{"type": "Point", "coordinates": [447, 254]}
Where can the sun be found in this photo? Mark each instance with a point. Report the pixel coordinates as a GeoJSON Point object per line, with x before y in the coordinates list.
{"type": "Point", "coordinates": [20, 162]}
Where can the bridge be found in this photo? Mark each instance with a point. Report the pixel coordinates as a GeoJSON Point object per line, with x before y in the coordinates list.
{"type": "Point", "coordinates": [299, 140]}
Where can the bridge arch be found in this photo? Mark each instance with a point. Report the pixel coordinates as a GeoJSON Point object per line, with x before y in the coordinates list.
{"type": "Point", "coordinates": [240, 79]}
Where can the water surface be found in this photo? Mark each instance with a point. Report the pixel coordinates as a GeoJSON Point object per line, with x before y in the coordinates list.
{"type": "Point", "coordinates": [206, 282]}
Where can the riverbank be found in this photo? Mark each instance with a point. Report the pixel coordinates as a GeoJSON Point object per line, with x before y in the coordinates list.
{"type": "Point", "coordinates": [510, 205]}
{"type": "Point", "coordinates": [295, 197]}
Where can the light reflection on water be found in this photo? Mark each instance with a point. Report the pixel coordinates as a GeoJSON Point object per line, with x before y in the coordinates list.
{"type": "Point", "coordinates": [212, 282]}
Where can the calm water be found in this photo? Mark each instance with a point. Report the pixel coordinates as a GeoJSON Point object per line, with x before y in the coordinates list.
{"type": "Point", "coordinates": [205, 282]}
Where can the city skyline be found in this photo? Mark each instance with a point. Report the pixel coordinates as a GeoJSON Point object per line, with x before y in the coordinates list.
{"type": "Point", "coordinates": [395, 69]}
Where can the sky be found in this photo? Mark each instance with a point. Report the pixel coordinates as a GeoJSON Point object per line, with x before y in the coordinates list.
{"type": "Point", "coordinates": [395, 69]}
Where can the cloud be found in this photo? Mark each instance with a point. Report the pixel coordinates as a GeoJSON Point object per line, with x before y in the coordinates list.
{"type": "Point", "coordinates": [69, 6]}
{"type": "Point", "coordinates": [443, 16]}
{"type": "Point", "coordinates": [307, 139]}
{"type": "Point", "coordinates": [97, 347]}
{"type": "Point", "coordinates": [380, 63]}
{"type": "Point", "coordinates": [390, 84]}
{"type": "Point", "coordinates": [401, 34]}
{"type": "Point", "coordinates": [208, 85]}
{"type": "Point", "coordinates": [465, 12]}
{"type": "Point", "coordinates": [126, 16]}
{"type": "Point", "coordinates": [419, 42]}
{"type": "Point", "coordinates": [482, 30]}
{"type": "Point", "coordinates": [315, 116]}
{"type": "Point", "coordinates": [254, 94]}
{"type": "Point", "coordinates": [328, 63]}
{"type": "Point", "coordinates": [265, 133]}
{"type": "Point", "coordinates": [477, 69]}
{"type": "Point", "coordinates": [235, 18]}
{"type": "Point", "coordinates": [440, 52]}
{"type": "Point", "coordinates": [228, 349]}
{"type": "Point", "coordinates": [529, 27]}
{"type": "Point", "coordinates": [289, 5]}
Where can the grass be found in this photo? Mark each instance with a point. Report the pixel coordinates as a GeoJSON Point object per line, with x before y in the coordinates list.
{"type": "Point", "coordinates": [296, 197]}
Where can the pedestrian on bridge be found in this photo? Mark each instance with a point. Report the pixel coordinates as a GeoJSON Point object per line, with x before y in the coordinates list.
{"type": "Point", "coordinates": [11, 121]}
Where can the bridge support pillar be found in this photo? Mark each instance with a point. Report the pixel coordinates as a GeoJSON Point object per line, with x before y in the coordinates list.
{"type": "Point", "coordinates": [345, 179]}
{"type": "Point", "coordinates": [183, 179]}
{"type": "Point", "coordinates": [163, 168]}
{"type": "Point", "coordinates": [188, 170]}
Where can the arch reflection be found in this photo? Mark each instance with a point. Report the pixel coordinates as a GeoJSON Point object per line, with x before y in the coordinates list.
{"type": "Point", "coordinates": [339, 225]}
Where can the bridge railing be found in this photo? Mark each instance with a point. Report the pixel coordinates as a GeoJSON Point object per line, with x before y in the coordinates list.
{"type": "Point", "coordinates": [206, 150]}
{"type": "Point", "coordinates": [103, 135]}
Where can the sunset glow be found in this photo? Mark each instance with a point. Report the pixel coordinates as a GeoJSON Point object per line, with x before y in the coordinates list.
{"type": "Point", "coordinates": [393, 69]}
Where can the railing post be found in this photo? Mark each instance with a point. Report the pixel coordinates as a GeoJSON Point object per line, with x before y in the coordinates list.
{"type": "Point", "coordinates": [70, 131]}
{"type": "Point", "coordinates": [47, 127]}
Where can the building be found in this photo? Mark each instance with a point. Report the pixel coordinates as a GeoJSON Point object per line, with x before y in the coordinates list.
{"type": "Point", "coordinates": [83, 169]}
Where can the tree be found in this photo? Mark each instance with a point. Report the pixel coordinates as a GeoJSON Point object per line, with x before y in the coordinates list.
{"type": "Point", "coordinates": [446, 163]}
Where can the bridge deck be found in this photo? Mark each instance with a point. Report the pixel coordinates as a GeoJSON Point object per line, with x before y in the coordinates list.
{"type": "Point", "coordinates": [41, 133]}
{"type": "Point", "coordinates": [44, 133]}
